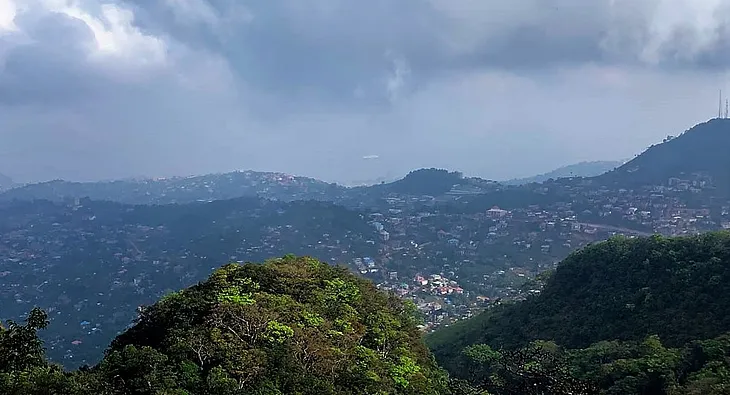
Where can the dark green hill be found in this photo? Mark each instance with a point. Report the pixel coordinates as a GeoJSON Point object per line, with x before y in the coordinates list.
{"type": "Point", "coordinates": [700, 152]}
{"type": "Point", "coordinates": [431, 181]}
{"type": "Point", "coordinates": [288, 326]}
{"type": "Point", "coordinates": [621, 289]}
{"type": "Point", "coordinates": [426, 182]}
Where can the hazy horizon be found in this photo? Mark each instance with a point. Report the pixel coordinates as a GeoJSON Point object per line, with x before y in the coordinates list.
{"type": "Point", "coordinates": [111, 89]}
{"type": "Point", "coordinates": [389, 177]}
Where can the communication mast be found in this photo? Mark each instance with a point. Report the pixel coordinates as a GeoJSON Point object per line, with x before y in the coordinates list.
{"type": "Point", "coordinates": [726, 107]}
{"type": "Point", "coordinates": [719, 106]}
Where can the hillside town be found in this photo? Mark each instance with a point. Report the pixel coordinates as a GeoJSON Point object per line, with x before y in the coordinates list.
{"type": "Point", "coordinates": [520, 243]}
{"type": "Point", "coordinates": [92, 264]}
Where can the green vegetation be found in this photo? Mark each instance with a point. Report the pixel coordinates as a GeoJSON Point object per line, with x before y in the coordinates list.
{"type": "Point", "coordinates": [632, 316]}
{"type": "Point", "coordinates": [626, 316]}
{"type": "Point", "coordinates": [608, 367]}
{"type": "Point", "coordinates": [289, 326]}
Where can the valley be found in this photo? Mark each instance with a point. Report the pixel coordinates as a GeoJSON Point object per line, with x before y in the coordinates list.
{"type": "Point", "coordinates": [454, 253]}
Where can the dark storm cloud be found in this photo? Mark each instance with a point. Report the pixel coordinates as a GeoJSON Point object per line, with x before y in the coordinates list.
{"type": "Point", "coordinates": [47, 71]}
{"type": "Point", "coordinates": [348, 50]}
{"type": "Point", "coordinates": [111, 88]}
{"type": "Point", "coordinates": [339, 46]}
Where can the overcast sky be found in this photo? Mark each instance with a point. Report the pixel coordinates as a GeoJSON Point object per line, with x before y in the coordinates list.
{"type": "Point", "coordinates": [98, 89]}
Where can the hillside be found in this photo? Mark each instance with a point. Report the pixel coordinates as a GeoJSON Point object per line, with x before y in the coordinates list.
{"type": "Point", "coordinates": [582, 169]}
{"type": "Point", "coordinates": [431, 182]}
{"type": "Point", "coordinates": [288, 326]}
{"type": "Point", "coordinates": [276, 186]}
{"type": "Point", "coordinates": [183, 189]}
{"type": "Point", "coordinates": [698, 155]}
{"type": "Point", "coordinates": [292, 325]}
{"type": "Point", "coordinates": [426, 182]}
{"type": "Point", "coordinates": [91, 265]}
{"type": "Point", "coordinates": [623, 289]}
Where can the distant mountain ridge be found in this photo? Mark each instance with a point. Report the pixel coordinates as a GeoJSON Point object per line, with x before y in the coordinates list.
{"type": "Point", "coordinates": [581, 169]}
{"type": "Point", "coordinates": [271, 185]}
{"type": "Point", "coordinates": [697, 156]}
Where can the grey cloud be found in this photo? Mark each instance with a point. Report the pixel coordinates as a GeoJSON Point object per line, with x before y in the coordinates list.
{"type": "Point", "coordinates": [344, 50]}
{"type": "Point", "coordinates": [48, 70]}
{"type": "Point", "coordinates": [337, 47]}
{"type": "Point", "coordinates": [493, 88]}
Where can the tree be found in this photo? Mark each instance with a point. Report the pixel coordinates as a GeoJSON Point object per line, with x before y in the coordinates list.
{"type": "Point", "coordinates": [538, 369]}
{"type": "Point", "coordinates": [20, 346]}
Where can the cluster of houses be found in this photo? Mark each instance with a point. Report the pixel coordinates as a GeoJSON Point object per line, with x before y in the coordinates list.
{"type": "Point", "coordinates": [91, 273]}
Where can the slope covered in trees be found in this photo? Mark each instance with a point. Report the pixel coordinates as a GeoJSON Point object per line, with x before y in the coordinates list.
{"type": "Point", "coordinates": [299, 326]}
{"type": "Point", "coordinates": [620, 300]}
{"type": "Point", "coordinates": [701, 150]}
{"type": "Point", "coordinates": [289, 326]}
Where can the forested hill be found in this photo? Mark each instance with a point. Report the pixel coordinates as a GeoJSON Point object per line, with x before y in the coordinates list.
{"type": "Point", "coordinates": [698, 154]}
{"type": "Point", "coordinates": [623, 289]}
{"type": "Point", "coordinates": [425, 182]}
{"type": "Point", "coordinates": [299, 326]}
{"type": "Point", "coordinates": [288, 326]}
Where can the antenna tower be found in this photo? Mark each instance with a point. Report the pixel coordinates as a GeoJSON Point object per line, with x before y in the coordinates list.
{"type": "Point", "coordinates": [719, 107]}
{"type": "Point", "coordinates": [727, 103]}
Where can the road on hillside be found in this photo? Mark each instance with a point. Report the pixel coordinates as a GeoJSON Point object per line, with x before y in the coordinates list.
{"type": "Point", "coordinates": [615, 229]}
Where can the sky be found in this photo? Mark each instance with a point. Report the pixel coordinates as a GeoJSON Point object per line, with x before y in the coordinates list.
{"type": "Point", "coordinates": [349, 90]}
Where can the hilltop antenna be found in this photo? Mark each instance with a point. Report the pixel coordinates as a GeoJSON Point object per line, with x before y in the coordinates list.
{"type": "Point", "coordinates": [719, 106]}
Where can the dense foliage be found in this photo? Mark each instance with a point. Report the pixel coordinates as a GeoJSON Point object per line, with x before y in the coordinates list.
{"type": "Point", "coordinates": [656, 291]}
{"type": "Point", "coordinates": [626, 316]}
{"type": "Point", "coordinates": [608, 367]}
{"type": "Point", "coordinates": [292, 325]}
{"type": "Point", "coordinates": [289, 326]}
